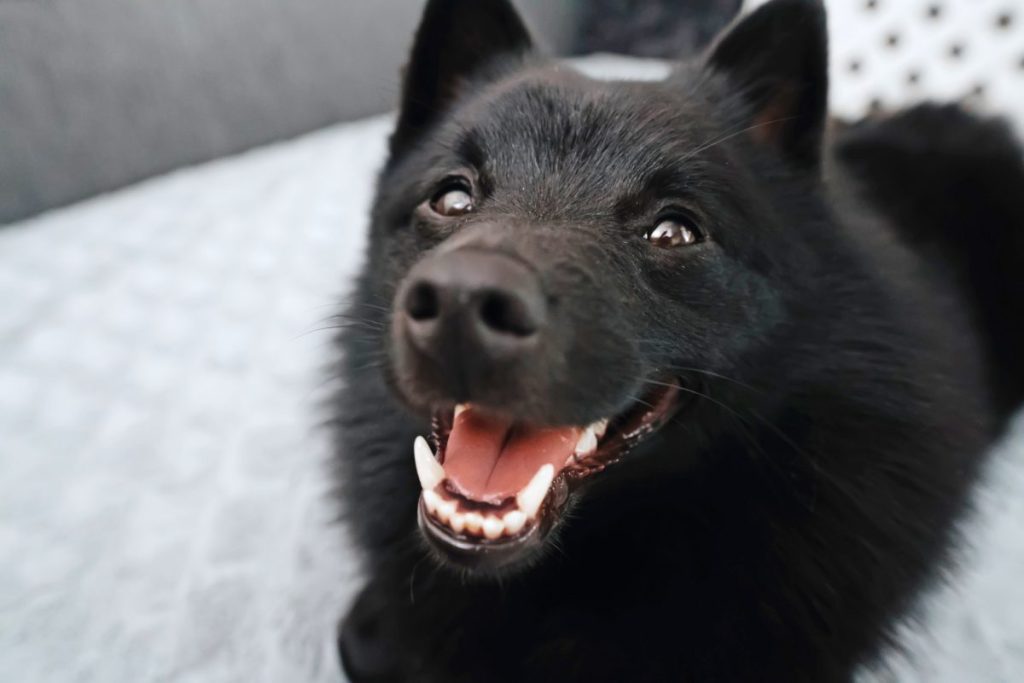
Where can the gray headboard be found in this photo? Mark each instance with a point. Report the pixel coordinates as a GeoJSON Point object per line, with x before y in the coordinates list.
{"type": "Point", "coordinates": [95, 94]}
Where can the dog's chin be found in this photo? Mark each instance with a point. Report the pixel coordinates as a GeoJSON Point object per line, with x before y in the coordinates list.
{"type": "Point", "coordinates": [494, 489]}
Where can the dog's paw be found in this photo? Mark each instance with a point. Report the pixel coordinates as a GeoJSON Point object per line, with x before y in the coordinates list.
{"type": "Point", "coordinates": [367, 646]}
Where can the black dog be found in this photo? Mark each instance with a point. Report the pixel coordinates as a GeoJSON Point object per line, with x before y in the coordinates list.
{"type": "Point", "coordinates": [706, 394]}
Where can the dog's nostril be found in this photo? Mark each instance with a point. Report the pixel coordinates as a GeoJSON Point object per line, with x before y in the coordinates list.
{"type": "Point", "coordinates": [507, 314]}
{"type": "Point", "coordinates": [422, 302]}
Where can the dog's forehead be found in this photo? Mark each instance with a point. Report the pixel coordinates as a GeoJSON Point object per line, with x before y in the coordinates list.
{"type": "Point", "coordinates": [589, 137]}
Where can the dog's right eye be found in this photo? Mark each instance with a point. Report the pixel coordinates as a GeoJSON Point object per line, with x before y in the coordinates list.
{"type": "Point", "coordinates": [674, 231]}
{"type": "Point", "coordinates": [455, 198]}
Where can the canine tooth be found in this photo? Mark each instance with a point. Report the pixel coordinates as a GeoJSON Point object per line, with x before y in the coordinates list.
{"type": "Point", "coordinates": [474, 522]}
{"type": "Point", "coordinates": [532, 495]}
{"type": "Point", "coordinates": [600, 427]}
{"type": "Point", "coordinates": [493, 527]}
{"type": "Point", "coordinates": [431, 500]}
{"type": "Point", "coordinates": [514, 522]}
{"type": "Point", "coordinates": [428, 469]}
{"type": "Point", "coordinates": [459, 408]}
{"type": "Point", "coordinates": [445, 510]}
{"type": "Point", "coordinates": [457, 521]}
{"type": "Point", "coordinates": [587, 443]}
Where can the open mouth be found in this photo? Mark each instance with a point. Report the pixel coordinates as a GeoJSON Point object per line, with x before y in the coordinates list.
{"type": "Point", "coordinates": [492, 487]}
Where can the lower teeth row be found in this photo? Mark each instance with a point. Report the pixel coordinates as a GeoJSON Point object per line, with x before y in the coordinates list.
{"type": "Point", "coordinates": [474, 523]}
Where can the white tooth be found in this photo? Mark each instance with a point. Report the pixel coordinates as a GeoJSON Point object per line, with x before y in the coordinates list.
{"type": "Point", "coordinates": [600, 427]}
{"type": "Point", "coordinates": [428, 468]}
{"type": "Point", "coordinates": [459, 408]}
{"type": "Point", "coordinates": [457, 521]}
{"type": "Point", "coordinates": [587, 443]}
{"type": "Point", "coordinates": [474, 522]}
{"type": "Point", "coordinates": [514, 522]}
{"type": "Point", "coordinates": [493, 527]}
{"type": "Point", "coordinates": [432, 501]}
{"type": "Point", "coordinates": [533, 494]}
{"type": "Point", "coordinates": [445, 509]}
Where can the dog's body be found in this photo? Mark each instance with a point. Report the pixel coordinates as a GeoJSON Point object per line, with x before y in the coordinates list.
{"type": "Point", "coordinates": [844, 369]}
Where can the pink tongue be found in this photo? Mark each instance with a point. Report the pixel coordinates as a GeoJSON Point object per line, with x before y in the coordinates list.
{"type": "Point", "coordinates": [490, 459]}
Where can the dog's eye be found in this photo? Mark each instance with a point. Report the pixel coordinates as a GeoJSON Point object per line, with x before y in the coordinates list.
{"type": "Point", "coordinates": [674, 231]}
{"type": "Point", "coordinates": [453, 199]}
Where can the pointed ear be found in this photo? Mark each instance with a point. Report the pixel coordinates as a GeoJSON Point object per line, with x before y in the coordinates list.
{"type": "Point", "coordinates": [778, 58]}
{"type": "Point", "coordinates": [457, 40]}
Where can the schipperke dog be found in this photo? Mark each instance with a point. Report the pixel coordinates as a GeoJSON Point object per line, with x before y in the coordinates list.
{"type": "Point", "coordinates": [666, 381]}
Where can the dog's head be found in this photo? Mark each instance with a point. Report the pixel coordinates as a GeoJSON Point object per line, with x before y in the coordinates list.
{"type": "Point", "coordinates": [567, 260]}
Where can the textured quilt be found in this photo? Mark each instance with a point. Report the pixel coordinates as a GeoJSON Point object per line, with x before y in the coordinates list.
{"type": "Point", "coordinates": [163, 491]}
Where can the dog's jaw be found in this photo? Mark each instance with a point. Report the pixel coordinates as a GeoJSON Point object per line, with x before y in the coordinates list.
{"type": "Point", "coordinates": [496, 528]}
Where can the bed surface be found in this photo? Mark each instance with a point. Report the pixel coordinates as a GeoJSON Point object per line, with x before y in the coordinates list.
{"type": "Point", "coordinates": [163, 507]}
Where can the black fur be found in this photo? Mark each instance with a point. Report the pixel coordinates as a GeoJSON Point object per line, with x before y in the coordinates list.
{"type": "Point", "coordinates": [841, 325]}
{"type": "Point", "coordinates": [951, 184]}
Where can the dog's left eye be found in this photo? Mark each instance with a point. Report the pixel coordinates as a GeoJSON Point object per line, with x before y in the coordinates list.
{"type": "Point", "coordinates": [674, 231]}
{"type": "Point", "coordinates": [453, 199]}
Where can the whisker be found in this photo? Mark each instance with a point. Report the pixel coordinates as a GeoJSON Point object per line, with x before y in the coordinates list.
{"type": "Point", "coordinates": [729, 136]}
{"type": "Point", "coordinates": [371, 336]}
{"type": "Point", "coordinates": [372, 365]}
{"type": "Point", "coordinates": [699, 371]}
{"type": "Point", "coordinates": [367, 304]}
{"type": "Point", "coordinates": [710, 373]}
{"type": "Point", "coordinates": [355, 318]}
{"type": "Point", "coordinates": [637, 399]}
{"type": "Point", "coordinates": [739, 416]}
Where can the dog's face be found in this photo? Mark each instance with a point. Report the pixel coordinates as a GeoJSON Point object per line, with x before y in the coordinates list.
{"type": "Point", "coordinates": [567, 258]}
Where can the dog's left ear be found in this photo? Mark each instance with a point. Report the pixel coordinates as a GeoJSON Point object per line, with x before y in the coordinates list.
{"type": "Point", "coordinates": [778, 58]}
{"type": "Point", "coordinates": [458, 41]}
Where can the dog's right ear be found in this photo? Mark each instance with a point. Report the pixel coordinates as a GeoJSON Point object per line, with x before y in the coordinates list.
{"type": "Point", "coordinates": [458, 40]}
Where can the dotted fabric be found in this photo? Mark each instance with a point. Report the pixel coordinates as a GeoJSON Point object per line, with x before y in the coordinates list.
{"type": "Point", "coordinates": [163, 514]}
{"type": "Point", "coordinates": [886, 54]}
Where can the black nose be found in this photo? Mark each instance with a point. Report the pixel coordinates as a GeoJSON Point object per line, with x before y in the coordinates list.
{"type": "Point", "coordinates": [473, 302]}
